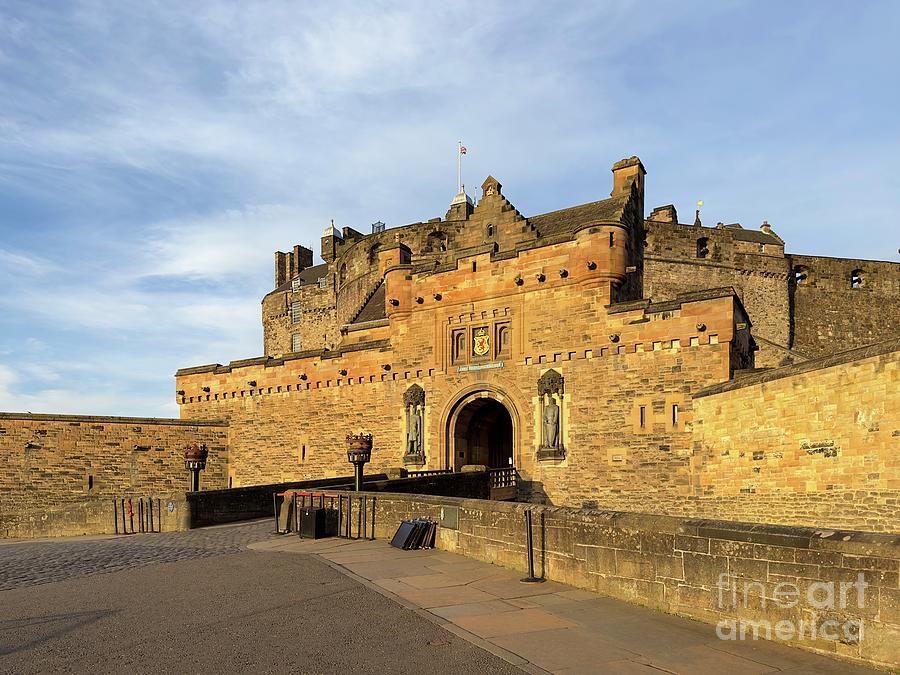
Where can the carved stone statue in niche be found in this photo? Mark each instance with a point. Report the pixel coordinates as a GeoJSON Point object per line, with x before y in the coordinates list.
{"type": "Point", "coordinates": [414, 431]}
{"type": "Point", "coordinates": [551, 424]}
{"type": "Point", "coordinates": [414, 407]}
{"type": "Point", "coordinates": [550, 388]}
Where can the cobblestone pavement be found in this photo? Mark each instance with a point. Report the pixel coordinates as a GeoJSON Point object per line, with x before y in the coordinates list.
{"type": "Point", "coordinates": [28, 563]}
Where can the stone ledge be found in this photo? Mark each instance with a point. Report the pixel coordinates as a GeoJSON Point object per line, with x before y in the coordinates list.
{"type": "Point", "coordinates": [109, 419]}
{"type": "Point", "coordinates": [848, 541]}
{"type": "Point", "coordinates": [858, 354]}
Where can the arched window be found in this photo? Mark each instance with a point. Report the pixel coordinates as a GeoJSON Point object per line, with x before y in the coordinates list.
{"type": "Point", "coordinates": [503, 339]}
{"type": "Point", "coordinates": [342, 278]}
{"type": "Point", "coordinates": [856, 279]}
{"type": "Point", "coordinates": [801, 274]}
{"type": "Point", "coordinates": [703, 247]}
{"type": "Point", "coordinates": [490, 230]}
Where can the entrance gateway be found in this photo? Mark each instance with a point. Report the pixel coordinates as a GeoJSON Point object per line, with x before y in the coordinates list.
{"type": "Point", "coordinates": [480, 430]}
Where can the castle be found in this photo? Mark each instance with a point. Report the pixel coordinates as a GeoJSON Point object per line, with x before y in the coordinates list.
{"type": "Point", "coordinates": [572, 345]}
{"type": "Point", "coordinates": [614, 360]}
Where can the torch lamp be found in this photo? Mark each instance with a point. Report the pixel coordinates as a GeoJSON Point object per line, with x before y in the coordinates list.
{"type": "Point", "coordinates": [195, 461]}
{"type": "Point", "coordinates": [359, 452]}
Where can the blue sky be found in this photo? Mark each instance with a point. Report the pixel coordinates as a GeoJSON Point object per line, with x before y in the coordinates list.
{"type": "Point", "coordinates": [153, 155]}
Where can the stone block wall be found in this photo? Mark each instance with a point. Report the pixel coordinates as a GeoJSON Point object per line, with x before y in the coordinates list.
{"type": "Point", "coordinates": [757, 271]}
{"type": "Point", "coordinates": [824, 426]}
{"type": "Point", "coordinates": [842, 586]}
{"type": "Point", "coordinates": [59, 473]}
{"type": "Point", "coordinates": [291, 422]}
{"type": "Point", "coordinates": [831, 315]}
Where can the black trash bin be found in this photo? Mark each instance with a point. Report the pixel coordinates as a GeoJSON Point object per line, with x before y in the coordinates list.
{"type": "Point", "coordinates": [313, 522]}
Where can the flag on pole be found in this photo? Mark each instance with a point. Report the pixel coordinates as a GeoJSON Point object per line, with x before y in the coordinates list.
{"type": "Point", "coordinates": [462, 149]}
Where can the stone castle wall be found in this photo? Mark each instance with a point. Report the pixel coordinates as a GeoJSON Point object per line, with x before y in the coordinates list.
{"type": "Point", "coordinates": [49, 462]}
{"type": "Point", "coordinates": [792, 322]}
{"type": "Point", "coordinates": [284, 427]}
{"type": "Point", "coordinates": [830, 315]}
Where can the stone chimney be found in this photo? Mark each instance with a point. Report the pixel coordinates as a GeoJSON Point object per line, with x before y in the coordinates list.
{"type": "Point", "coordinates": [624, 172]}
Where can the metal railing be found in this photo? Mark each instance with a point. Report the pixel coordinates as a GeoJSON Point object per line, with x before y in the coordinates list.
{"type": "Point", "coordinates": [147, 512]}
{"type": "Point", "coordinates": [504, 477]}
{"type": "Point", "coordinates": [421, 474]}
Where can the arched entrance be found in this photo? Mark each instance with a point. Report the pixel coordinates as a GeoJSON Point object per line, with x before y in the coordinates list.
{"type": "Point", "coordinates": [482, 433]}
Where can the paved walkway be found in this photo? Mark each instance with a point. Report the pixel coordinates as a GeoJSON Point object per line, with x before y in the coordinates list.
{"type": "Point", "coordinates": [549, 626]}
{"type": "Point", "coordinates": [200, 602]}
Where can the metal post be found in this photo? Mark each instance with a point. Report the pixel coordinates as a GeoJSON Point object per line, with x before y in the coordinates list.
{"type": "Point", "coordinates": [340, 516]}
{"type": "Point", "coordinates": [349, 516]}
{"type": "Point", "coordinates": [116, 515]}
{"type": "Point", "coordinates": [529, 537]}
{"type": "Point", "coordinates": [357, 477]}
{"type": "Point", "coordinates": [296, 516]}
{"type": "Point", "coordinates": [373, 519]}
{"type": "Point", "coordinates": [364, 519]}
{"type": "Point", "coordinates": [275, 511]}
{"type": "Point", "coordinates": [150, 506]}
{"type": "Point", "coordinates": [124, 523]}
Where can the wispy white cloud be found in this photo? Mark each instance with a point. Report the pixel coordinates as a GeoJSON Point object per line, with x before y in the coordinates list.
{"type": "Point", "coordinates": [153, 155]}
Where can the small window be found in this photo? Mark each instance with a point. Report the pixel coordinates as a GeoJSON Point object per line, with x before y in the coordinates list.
{"type": "Point", "coordinates": [674, 414]}
{"type": "Point", "coordinates": [459, 346]}
{"type": "Point", "coordinates": [612, 240]}
{"type": "Point", "coordinates": [490, 230]}
{"type": "Point", "coordinates": [643, 416]}
{"type": "Point", "coordinates": [801, 275]}
{"type": "Point", "coordinates": [703, 247]}
{"type": "Point", "coordinates": [295, 312]}
{"type": "Point", "coordinates": [502, 340]}
{"type": "Point", "coordinates": [295, 342]}
{"type": "Point", "coordinates": [474, 267]}
{"type": "Point", "coordinates": [90, 483]}
{"type": "Point", "coordinates": [856, 279]}
{"type": "Point", "coordinates": [295, 284]}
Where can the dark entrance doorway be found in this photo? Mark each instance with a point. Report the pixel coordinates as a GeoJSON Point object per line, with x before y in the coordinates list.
{"type": "Point", "coordinates": [483, 434]}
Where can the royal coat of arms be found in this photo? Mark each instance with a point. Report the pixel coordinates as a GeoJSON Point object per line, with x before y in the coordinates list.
{"type": "Point", "coordinates": [481, 341]}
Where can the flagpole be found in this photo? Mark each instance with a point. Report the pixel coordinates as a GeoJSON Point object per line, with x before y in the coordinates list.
{"type": "Point", "coordinates": [458, 167]}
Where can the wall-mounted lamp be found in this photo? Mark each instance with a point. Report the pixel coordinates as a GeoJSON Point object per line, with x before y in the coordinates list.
{"type": "Point", "coordinates": [419, 299]}
{"type": "Point", "coordinates": [591, 265]}
{"type": "Point", "coordinates": [614, 337]}
{"type": "Point", "coordinates": [540, 276]}
{"type": "Point", "coordinates": [386, 366]}
{"type": "Point", "coordinates": [701, 327]}
{"type": "Point", "coordinates": [394, 302]}
{"type": "Point", "coordinates": [206, 389]}
{"type": "Point", "coordinates": [302, 376]}
{"type": "Point", "coordinates": [342, 371]}
{"type": "Point", "coordinates": [564, 273]}
{"type": "Point", "coordinates": [251, 383]}
{"type": "Point", "coordinates": [519, 280]}
{"type": "Point", "coordinates": [437, 296]}
{"type": "Point", "coordinates": [180, 392]}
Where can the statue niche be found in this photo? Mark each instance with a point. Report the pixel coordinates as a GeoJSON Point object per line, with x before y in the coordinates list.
{"type": "Point", "coordinates": [414, 408]}
{"type": "Point", "coordinates": [550, 390]}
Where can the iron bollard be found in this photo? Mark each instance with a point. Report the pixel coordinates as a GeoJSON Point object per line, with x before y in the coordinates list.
{"type": "Point", "coordinates": [530, 579]}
